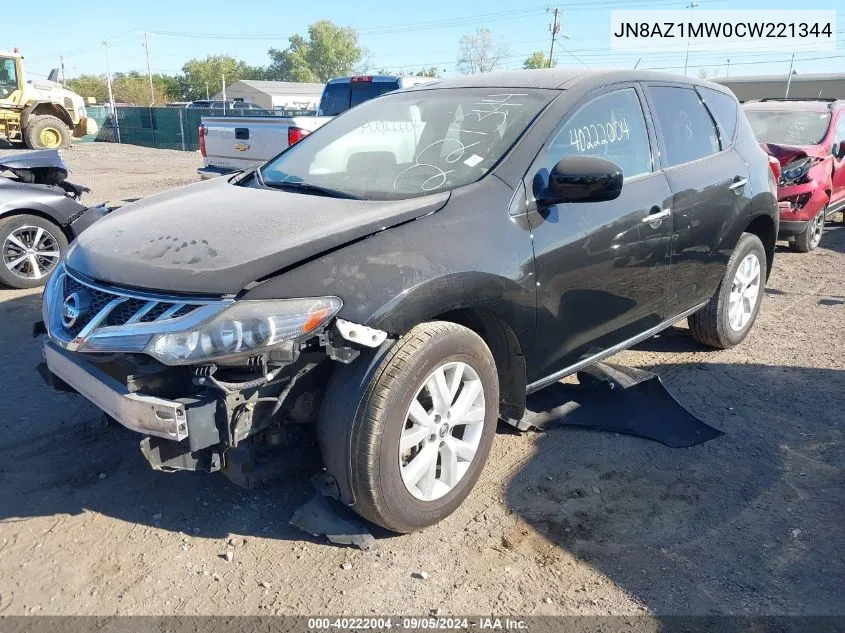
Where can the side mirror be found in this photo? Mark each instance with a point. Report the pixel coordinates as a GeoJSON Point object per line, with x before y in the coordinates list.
{"type": "Point", "coordinates": [838, 150]}
{"type": "Point", "coordinates": [583, 179]}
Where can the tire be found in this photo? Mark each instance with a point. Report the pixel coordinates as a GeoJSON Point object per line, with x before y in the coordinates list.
{"type": "Point", "coordinates": [712, 325]}
{"type": "Point", "coordinates": [381, 494]}
{"type": "Point", "coordinates": [43, 126]}
{"type": "Point", "coordinates": [810, 237]}
{"type": "Point", "coordinates": [51, 240]}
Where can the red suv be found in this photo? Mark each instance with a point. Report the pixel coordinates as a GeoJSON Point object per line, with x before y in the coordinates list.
{"type": "Point", "coordinates": [807, 137]}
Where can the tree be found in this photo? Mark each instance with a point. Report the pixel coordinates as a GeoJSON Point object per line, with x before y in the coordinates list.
{"type": "Point", "coordinates": [538, 60]}
{"type": "Point", "coordinates": [209, 72]}
{"type": "Point", "coordinates": [428, 72]}
{"type": "Point", "coordinates": [479, 53]}
{"type": "Point", "coordinates": [330, 51]}
{"type": "Point", "coordinates": [134, 87]}
{"type": "Point", "coordinates": [131, 87]}
{"type": "Point", "coordinates": [90, 86]}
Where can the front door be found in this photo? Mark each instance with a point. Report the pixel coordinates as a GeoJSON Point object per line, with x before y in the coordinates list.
{"type": "Point", "coordinates": [602, 267]}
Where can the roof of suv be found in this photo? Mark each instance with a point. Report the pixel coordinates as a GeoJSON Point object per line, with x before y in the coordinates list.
{"type": "Point", "coordinates": [560, 78]}
{"type": "Point", "coordinates": [803, 105]}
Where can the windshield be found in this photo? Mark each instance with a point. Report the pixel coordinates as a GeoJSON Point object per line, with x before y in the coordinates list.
{"type": "Point", "coordinates": [788, 127]}
{"type": "Point", "coordinates": [8, 77]}
{"type": "Point", "coordinates": [411, 143]}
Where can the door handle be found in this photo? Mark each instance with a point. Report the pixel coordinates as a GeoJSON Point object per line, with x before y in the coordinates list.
{"type": "Point", "coordinates": [738, 184]}
{"type": "Point", "coordinates": [656, 216]}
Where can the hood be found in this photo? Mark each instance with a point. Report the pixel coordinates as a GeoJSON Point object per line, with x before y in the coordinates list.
{"type": "Point", "coordinates": [215, 238]}
{"type": "Point", "coordinates": [789, 153]}
{"type": "Point", "coordinates": [46, 167]}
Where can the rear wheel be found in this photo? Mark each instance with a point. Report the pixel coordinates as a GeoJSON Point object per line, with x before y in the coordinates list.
{"type": "Point", "coordinates": [729, 315]}
{"type": "Point", "coordinates": [810, 237]}
{"type": "Point", "coordinates": [45, 131]}
{"type": "Point", "coordinates": [31, 249]}
{"type": "Point", "coordinates": [424, 427]}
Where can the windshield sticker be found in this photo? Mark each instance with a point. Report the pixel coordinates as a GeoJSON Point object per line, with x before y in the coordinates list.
{"type": "Point", "coordinates": [595, 135]}
{"type": "Point", "coordinates": [473, 160]}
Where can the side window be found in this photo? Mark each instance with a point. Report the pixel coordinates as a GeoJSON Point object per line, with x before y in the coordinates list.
{"type": "Point", "coordinates": [8, 77]}
{"type": "Point", "coordinates": [684, 123]}
{"type": "Point", "coordinates": [724, 109]}
{"type": "Point", "coordinates": [612, 127]}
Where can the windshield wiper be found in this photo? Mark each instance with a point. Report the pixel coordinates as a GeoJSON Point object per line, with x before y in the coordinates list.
{"type": "Point", "coordinates": [305, 187]}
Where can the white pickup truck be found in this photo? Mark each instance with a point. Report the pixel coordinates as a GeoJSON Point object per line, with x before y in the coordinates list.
{"type": "Point", "coordinates": [233, 143]}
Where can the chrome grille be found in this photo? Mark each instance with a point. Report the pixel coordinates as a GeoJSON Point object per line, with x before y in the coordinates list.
{"type": "Point", "coordinates": [128, 309]}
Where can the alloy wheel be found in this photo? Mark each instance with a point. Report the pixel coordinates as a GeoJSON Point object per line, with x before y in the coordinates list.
{"type": "Point", "coordinates": [817, 229]}
{"type": "Point", "coordinates": [442, 431]}
{"type": "Point", "coordinates": [744, 291]}
{"type": "Point", "coordinates": [31, 252]}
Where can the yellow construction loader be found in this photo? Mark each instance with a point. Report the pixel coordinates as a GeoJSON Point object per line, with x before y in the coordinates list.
{"type": "Point", "coordinates": [41, 114]}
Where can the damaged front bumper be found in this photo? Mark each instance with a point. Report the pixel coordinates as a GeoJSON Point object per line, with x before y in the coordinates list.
{"type": "Point", "coordinates": [201, 416]}
{"type": "Point", "coordinates": [144, 414]}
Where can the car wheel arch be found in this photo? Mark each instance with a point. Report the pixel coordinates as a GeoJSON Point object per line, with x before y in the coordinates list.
{"type": "Point", "coordinates": [507, 351]}
{"type": "Point", "coordinates": [41, 214]}
{"type": "Point", "coordinates": [763, 226]}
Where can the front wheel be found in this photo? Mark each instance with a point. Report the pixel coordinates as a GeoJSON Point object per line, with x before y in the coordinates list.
{"type": "Point", "coordinates": [727, 318]}
{"type": "Point", "coordinates": [32, 247]}
{"type": "Point", "coordinates": [424, 427]}
{"type": "Point", "coordinates": [45, 131]}
{"type": "Point", "coordinates": [810, 237]}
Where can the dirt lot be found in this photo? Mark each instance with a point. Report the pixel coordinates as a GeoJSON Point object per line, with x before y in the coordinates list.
{"type": "Point", "coordinates": [564, 522]}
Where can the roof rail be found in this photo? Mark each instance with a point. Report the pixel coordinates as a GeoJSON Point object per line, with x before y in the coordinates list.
{"type": "Point", "coordinates": [825, 100]}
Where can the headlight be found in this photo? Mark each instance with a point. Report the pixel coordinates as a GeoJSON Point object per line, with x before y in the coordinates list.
{"type": "Point", "coordinates": [796, 170]}
{"type": "Point", "coordinates": [245, 329]}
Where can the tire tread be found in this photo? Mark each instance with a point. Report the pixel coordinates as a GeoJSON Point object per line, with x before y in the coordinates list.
{"type": "Point", "coordinates": [373, 409]}
{"type": "Point", "coordinates": [706, 326]}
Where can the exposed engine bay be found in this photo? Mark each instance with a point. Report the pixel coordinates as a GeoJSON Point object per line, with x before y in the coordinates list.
{"type": "Point", "coordinates": [230, 413]}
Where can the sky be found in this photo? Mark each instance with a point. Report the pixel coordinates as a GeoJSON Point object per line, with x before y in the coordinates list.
{"type": "Point", "coordinates": [398, 36]}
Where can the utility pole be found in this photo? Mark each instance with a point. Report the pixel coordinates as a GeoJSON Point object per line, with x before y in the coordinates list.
{"type": "Point", "coordinates": [111, 94]}
{"type": "Point", "coordinates": [690, 6]}
{"type": "Point", "coordinates": [223, 77]}
{"type": "Point", "coordinates": [554, 27]}
{"type": "Point", "coordinates": [149, 70]}
{"type": "Point", "coordinates": [789, 78]}
{"type": "Point", "coordinates": [62, 64]}
{"type": "Point", "coordinates": [207, 98]}
{"type": "Point", "coordinates": [728, 71]}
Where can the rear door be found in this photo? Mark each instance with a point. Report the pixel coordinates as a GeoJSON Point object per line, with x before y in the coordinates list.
{"type": "Point", "coordinates": [710, 186]}
{"type": "Point", "coordinates": [602, 267]}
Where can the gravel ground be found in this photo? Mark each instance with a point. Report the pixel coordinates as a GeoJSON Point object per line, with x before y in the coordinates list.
{"type": "Point", "coordinates": [570, 521]}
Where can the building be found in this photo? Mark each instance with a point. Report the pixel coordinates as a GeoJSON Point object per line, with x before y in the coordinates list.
{"type": "Point", "coordinates": [810, 86]}
{"type": "Point", "coordinates": [274, 94]}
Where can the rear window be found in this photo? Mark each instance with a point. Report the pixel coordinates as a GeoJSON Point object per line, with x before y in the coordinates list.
{"type": "Point", "coordinates": [339, 97]}
{"type": "Point", "coordinates": [684, 123]}
{"type": "Point", "coordinates": [365, 90]}
{"type": "Point", "coordinates": [724, 108]}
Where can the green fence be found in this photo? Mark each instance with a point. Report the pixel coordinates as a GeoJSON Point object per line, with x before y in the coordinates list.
{"type": "Point", "coordinates": [166, 128]}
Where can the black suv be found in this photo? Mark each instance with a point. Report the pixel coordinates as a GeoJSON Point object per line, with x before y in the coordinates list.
{"type": "Point", "coordinates": [406, 274]}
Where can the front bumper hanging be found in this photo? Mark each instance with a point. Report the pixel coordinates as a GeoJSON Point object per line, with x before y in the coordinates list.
{"type": "Point", "coordinates": [144, 414]}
